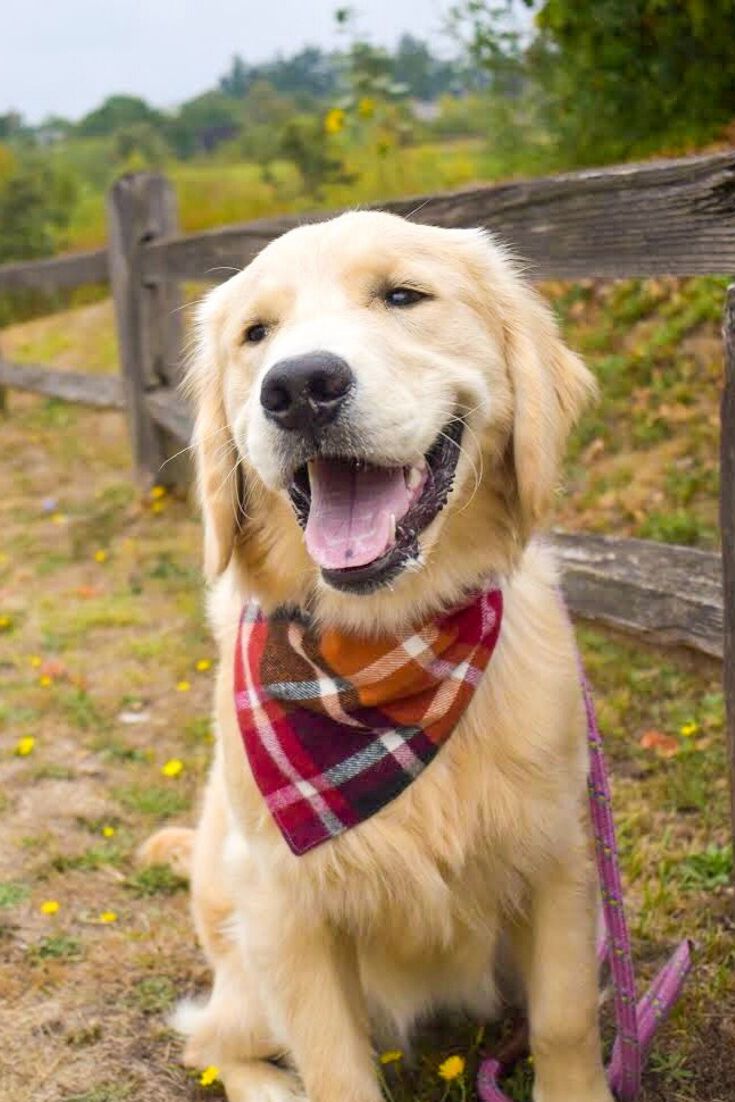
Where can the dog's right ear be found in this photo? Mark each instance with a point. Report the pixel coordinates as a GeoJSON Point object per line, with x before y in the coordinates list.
{"type": "Point", "coordinates": [218, 476]}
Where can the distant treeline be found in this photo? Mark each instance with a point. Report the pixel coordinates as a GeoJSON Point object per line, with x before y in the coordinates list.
{"type": "Point", "coordinates": [307, 79]}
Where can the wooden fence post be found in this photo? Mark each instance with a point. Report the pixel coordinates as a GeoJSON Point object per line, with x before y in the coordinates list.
{"type": "Point", "coordinates": [141, 207]}
{"type": "Point", "coordinates": [727, 527]}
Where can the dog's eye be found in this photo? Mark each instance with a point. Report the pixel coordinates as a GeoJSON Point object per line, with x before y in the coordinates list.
{"type": "Point", "coordinates": [255, 333]}
{"type": "Point", "coordinates": [403, 296]}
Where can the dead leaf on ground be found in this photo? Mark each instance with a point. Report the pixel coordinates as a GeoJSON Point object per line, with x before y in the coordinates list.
{"type": "Point", "coordinates": [666, 746]}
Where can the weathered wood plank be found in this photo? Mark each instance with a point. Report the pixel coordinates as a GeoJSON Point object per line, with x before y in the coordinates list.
{"type": "Point", "coordinates": [659, 592]}
{"type": "Point", "coordinates": [171, 412]}
{"type": "Point", "coordinates": [140, 208]}
{"type": "Point", "coordinates": [660, 218]}
{"type": "Point", "coordinates": [50, 274]}
{"type": "Point", "coordinates": [104, 391]}
{"type": "Point", "coordinates": [727, 526]}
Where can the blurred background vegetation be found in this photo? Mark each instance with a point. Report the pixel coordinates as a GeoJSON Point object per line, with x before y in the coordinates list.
{"type": "Point", "coordinates": [520, 88]}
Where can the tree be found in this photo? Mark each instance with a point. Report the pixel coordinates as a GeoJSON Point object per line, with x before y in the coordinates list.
{"type": "Point", "coordinates": [118, 111]}
{"type": "Point", "coordinates": [415, 66]}
{"type": "Point", "coordinates": [613, 77]}
{"type": "Point", "coordinates": [623, 72]}
{"type": "Point", "coordinates": [139, 146]}
{"type": "Point", "coordinates": [203, 122]}
{"type": "Point", "coordinates": [305, 142]}
{"type": "Point", "coordinates": [35, 205]}
{"type": "Point", "coordinates": [237, 79]}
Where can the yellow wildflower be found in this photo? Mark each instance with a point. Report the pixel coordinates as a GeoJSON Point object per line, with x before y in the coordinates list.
{"type": "Point", "coordinates": [334, 120]}
{"type": "Point", "coordinates": [57, 518]}
{"type": "Point", "coordinates": [209, 1076]}
{"type": "Point", "coordinates": [391, 1057]}
{"type": "Point", "coordinates": [101, 555]}
{"type": "Point", "coordinates": [157, 492]}
{"type": "Point", "coordinates": [35, 660]}
{"type": "Point", "coordinates": [689, 729]}
{"type": "Point", "coordinates": [107, 916]}
{"type": "Point", "coordinates": [49, 907]}
{"type": "Point", "coordinates": [44, 681]}
{"type": "Point", "coordinates": [108, 832]}
{"type": "Point", "coordinates": [24, 746]}
{"type": "Point", "coordinates": [173, 767]}
{"type": "Point", "coordinates": [366, 107]}
{"type": "Point", "coordinates": [451, 1068]}
{"type": "Point", "coordinates": [158, 507]}
{"type": "Point", "coordinates": [183, 686]}
{"type": "Point", "coordinates": [6, 623]}
{"type": "Point", "coordinates": [204, 664]}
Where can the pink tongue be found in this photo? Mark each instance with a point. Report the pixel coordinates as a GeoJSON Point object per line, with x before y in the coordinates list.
{"type": "Point", "coordinates": [350, 515]}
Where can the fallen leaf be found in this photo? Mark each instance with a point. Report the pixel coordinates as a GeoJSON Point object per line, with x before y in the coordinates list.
{"type": "Point", "coordinates": [54, 669]}
{"type": "Point", "coordinates": [666, 746]}
{"type": "Point", "coordinates": [87, 591]}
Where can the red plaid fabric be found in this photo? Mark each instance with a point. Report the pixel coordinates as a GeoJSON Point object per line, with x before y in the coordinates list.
{"type": "Point", "coordinates": [336, 726]}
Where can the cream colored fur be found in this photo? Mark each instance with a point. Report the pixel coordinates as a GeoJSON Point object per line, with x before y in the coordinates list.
{"type": "Point", "coordinates": [404, 913]}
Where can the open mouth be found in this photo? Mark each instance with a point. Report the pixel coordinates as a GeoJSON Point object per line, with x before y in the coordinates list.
{"type": "Point", "coordinates": [362, 520]}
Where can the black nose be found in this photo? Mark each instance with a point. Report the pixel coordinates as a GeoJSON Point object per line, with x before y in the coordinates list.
{"type": "Point", "coordinates": [306, 392]}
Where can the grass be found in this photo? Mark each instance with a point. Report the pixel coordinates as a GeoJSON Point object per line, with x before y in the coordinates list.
{"type": "Point", "coordinates": [156, 880]}
{"type": "Point", "coordinates": [56, 947]}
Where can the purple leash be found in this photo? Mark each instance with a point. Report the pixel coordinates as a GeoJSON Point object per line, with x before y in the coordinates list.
{"type": "Point", "coordinates": [636, 1024]}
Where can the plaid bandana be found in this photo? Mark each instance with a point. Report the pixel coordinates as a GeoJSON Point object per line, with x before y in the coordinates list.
{"type": "Point", "coordinates": [336, 726]}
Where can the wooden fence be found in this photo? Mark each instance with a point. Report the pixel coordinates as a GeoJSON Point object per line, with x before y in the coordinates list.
{"type": "Point", "coordinates": [664, 218]}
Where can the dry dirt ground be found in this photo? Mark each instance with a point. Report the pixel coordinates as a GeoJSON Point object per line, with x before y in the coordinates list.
{"type": "Point", "coordinates": [105, 675]}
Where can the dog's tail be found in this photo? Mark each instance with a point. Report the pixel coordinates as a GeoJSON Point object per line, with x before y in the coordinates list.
{"type": "Point", "coordinates": [171, 846]}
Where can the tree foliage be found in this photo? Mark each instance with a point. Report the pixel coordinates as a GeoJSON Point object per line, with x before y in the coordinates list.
{"type": "Point", "coordinates": [624, 71]}
{"type": "Point", "coordinates": [116, 112]}
{"type": "Point", "coordinates": [610, 78]}
{"type": "Point", "coordinates": [35, 202]}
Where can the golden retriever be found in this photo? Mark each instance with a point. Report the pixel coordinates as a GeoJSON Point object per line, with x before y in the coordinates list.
{"type": "Point", "coordinates": [435, 336]}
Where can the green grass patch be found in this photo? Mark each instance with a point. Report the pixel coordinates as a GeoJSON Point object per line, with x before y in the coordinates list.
{"type": "Point", "coordinates": [154, 994]}
{"type": "Point", "coordinates": [53, 772]}
{"type": "Point", "coordinates": [104, 855]}
{"type": "Point", "coordinates": [153, 800]}
{"type": "Point", "coordinates": [677, 526]}
{"type": "Point", "coordinates": [56, 947]}
{"type": "Point", "coordinates": [711, 868]}
{"type": "Point", "coordinates": [105, 1092]}
{"type": "Point", "coordinates": [13, 893]}
{"type": "Point", "coordinates": [155, 880]}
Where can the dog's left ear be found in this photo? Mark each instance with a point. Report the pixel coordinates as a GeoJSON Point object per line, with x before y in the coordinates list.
{"type": "Point", "coordinates": [550, 384]}
{"type": "Point", "coordinates": [551, 388]}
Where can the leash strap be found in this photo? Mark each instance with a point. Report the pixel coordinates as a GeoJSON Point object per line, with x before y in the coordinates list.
{"type": "Point", "coordinates": [636, 1024]}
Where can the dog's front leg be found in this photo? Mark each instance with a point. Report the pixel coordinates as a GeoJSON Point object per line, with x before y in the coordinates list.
{"type": "Point", "coordinates": [557, 956]}
{"type": "Point", "coordinates": [316, 990]}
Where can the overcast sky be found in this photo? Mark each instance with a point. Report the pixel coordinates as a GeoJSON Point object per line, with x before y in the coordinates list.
{"type": "Point", "coordinates": [64, 56]}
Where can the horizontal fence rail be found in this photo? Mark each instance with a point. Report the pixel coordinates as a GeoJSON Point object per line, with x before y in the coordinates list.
{"type": "Point", "coordinates": [658, 591]}
{"type": "Point", "coordinates": [103, 391]}
{"type": "Point", "coordinates": [73, 270]}
{"type": "Point", "coordinates": [663, 218]}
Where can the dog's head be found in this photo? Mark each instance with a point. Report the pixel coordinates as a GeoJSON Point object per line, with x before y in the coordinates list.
{"type": "Point", "coordinates": [380, 404]}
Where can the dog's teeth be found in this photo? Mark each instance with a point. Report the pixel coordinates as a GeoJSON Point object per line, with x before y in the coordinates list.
{"type": "Point", "coordinates": [414, 478]}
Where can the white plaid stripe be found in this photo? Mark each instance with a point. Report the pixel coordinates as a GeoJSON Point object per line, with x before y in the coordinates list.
{"type": "Point", "coordinates": [329, 687]}
{"type": "Point", "coordinates": [269, 740]}
{"type": "Point", "coordinates": [391, 743]}
{"type": "Point", "coordinates": [416, 648]}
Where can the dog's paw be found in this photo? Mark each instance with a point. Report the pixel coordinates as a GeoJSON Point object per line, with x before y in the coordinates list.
{"type": "Point", "coordinates": [170, 846]}
{"type": "Point", "coordinates": [260, 1081]}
